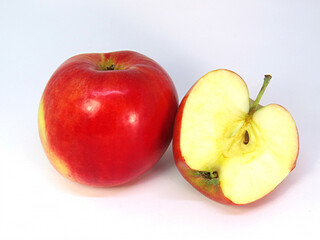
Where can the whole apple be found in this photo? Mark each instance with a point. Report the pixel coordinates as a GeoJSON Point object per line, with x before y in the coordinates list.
{"type": "Point", "coordinates": [227, 146]}
{"type": "Point", "coordinates": [105, 119]}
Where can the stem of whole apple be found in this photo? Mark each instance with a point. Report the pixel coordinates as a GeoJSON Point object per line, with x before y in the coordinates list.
{"type": "Point", "coordinates": [104, 64]}
{"type": "Point", "coordinates": [266, 81]}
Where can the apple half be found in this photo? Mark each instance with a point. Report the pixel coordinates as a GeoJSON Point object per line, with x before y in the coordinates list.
{"type": "Point", "coordinates": [229, 147]}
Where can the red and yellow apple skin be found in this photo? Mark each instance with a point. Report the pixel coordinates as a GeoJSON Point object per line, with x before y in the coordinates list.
{"type": "Point", "coordinates": [208, 186]}
{"type": "Point", "coordinates": [105, 119]}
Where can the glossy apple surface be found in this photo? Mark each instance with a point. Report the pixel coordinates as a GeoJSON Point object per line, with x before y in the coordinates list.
{"type": "Point", "coordinates": [229, 148]}
{"type": "Point", "coordinates": [105, 119]}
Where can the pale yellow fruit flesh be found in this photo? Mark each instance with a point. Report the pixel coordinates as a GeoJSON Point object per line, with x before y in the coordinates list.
{"type": "Point", "coordinates": [214, 122]}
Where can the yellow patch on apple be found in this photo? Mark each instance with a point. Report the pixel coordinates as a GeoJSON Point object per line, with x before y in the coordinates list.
{"type": "Point", "coordinates": [56, 161]}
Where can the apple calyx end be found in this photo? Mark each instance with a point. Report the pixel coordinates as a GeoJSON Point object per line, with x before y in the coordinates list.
{"type": "Point", "coordinates": [209, 175]}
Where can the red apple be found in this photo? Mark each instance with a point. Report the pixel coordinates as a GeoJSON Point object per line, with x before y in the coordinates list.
{"type": "Point", "coordinates": [228, 147]}
{"type": "Point", "coordinates": [105, 119]}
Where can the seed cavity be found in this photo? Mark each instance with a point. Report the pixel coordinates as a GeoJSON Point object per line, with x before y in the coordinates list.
{"type": "Point", "coordinates": [246, 138]}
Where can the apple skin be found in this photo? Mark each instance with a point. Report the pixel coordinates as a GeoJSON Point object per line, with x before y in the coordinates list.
{"type": "Point", "coordinates": [107, 127]}
{"type": "Point", "coordinates": [208, 187]}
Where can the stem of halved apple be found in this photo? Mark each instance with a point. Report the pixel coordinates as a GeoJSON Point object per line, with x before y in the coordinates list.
{"type": "Point", "coordinates": [266, 81]}
{"type": "Point", "coordinates": [254, 107]}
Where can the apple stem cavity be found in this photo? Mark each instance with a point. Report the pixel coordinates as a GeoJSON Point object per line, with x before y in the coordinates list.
{"type": "Point", "coordinates": [266, 81]}
{"type": "Point", "coordinates": [105, 65]}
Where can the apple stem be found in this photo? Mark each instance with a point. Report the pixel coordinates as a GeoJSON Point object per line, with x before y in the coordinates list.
{"type": "Point", "coordinates": [266, 81]}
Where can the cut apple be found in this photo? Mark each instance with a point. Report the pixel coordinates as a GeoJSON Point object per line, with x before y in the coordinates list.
{"type": "Point", "coordinates": [240, 150]}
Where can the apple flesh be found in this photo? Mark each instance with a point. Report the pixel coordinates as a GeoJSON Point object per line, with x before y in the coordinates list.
{"type": "Point", "coordinates": [105, 119]}
{"type": "Point", "coordinates": [231, 149]}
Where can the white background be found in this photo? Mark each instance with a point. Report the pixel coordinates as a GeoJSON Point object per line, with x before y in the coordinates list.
{"type": "Point", "coordinates": [188, 38]}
